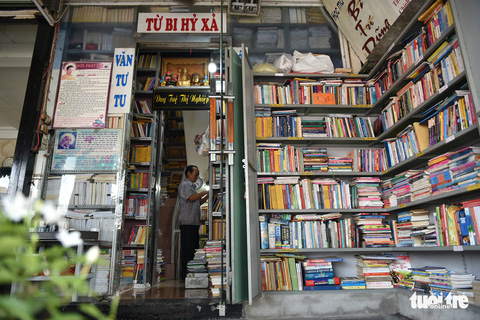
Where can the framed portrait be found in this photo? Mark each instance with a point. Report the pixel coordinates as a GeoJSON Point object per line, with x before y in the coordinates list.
{"type": "Point", "coordinates": [186, 69]}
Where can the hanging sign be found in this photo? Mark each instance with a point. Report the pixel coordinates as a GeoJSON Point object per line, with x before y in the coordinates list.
{"type": "Point", "coordinates": [181, 23]}
{"type": "Point", "coordinates": [121, 84]}
{"type": "Point", "coordinates": [181, 100]}
{"type": "Point", "coordinates": [364, 23]}
{"type": "Point", "coordinates": [82, 96]}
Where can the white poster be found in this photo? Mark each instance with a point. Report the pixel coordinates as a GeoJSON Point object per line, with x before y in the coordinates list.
{"type": "Point", "coordinates": [181, 22]}
{"type": "Point", "coordinates": [87, 150]}
{"type": "Point", "coordinates": [363, 22]}
{"type": "Point", "coordinates": [122, 75]}
{"type": "Point", "coordinates": [82, 96]}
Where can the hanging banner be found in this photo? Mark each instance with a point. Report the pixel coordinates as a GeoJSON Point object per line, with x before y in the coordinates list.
{"type": "Point", "coordinates": [82, 96]}
{"type": "Point", "coordinates": [87, 150]}
{"type": "Point", "coordinates": [364, 23]}
{"type": "Point", "coordinates": [121, 85]}
{"type": "Point", "coordinates": [194, 100]}
{"type": "Point", "coordinates": [181, 23]}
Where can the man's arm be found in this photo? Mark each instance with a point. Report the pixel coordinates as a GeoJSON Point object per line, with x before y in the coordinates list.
{"type": "Point", "coordinates": [196, 196]}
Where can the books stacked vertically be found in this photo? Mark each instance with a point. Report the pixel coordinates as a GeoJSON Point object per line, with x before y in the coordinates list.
{"type": "Point", "coordinates": [455, 225]}
{"type": "Point", "coordinates": [374, 232]}
{"type": "Point", "coordinates": [315, 159]}
{"type": "Point", "coordinates": [215, 254]}
{"type": "Point", "coordinates": [102, 273]}
{"type": "Point", "coordinates": [464, 165]}
{"type": "Point", "coordinates": [440, 174]}
{"type": "Point", "coordinates": [197, 274]}
{"type": "Point", "coordinates": [352, 283]}
{"type": "Point", "coordinates": [374, 269]}
{"type": "Point", "coordinates": [129, 261]}
{"type": "Point", "coordinates": [420, 185]}
{"type": "Point", "coordinates": [423, 232]}
{"type": "Point", "coordinates": [281, 271]}
{"type": "Point", "coordinates": [400, 270]}
{"type": "Point", "coordinates": [340, 164]}
{"type": "Point", "coordinates": [401, 187]}
{"type": "Point", "coordinates": [313, 127]}
{"type": "Point", "coordinates": [421, 277]}
{"type": "Point", "coordinates": [389, 198]}
{"type": "Point", "coordinates": [408, 143]}
{"type": "Point", "coordinates": [366, 193]}
{"type": "Point", "coordinates": [161, 276]}
{"type": "Point", "coordinates": [319, 274]}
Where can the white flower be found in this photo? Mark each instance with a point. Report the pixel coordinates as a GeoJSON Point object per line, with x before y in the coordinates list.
{"type": "Point", "coordinates": [92, 255]}
{"type": "Point", "coordinates": [69, 239]}
{"type": "Point", "coordinates": [18, 208]}
{"type": "Point", "coordinates": [51, 213]}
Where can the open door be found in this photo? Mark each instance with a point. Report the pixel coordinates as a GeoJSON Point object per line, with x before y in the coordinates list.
{"type": "Point", "coordinates": [253, 247]}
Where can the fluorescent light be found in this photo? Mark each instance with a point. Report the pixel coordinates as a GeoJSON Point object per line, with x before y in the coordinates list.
{"type": "Point", "coordinates": [212, 67]}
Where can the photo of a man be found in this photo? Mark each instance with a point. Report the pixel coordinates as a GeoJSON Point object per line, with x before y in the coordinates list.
{"type": "Point", "coordinates": [67, 140]}
{"type": "Point", "coordinates": [68, 75]}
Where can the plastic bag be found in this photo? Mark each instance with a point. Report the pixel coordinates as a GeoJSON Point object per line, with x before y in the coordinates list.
{"type": "Point", "coordinates": [202, 145]}
{"type": "Point", "coordinates": [284, 63]}
{"type": "Point", "coordinates": [309, 63]}
{"type": "Point", "coordinates": [264, 68]}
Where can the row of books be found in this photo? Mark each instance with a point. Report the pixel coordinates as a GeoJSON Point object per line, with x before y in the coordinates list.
{"type": "Point", "coordinates": [145, 84]}
{"type": "Point", "coordinates": [307, 91]}
{"type": "Point", "coordinates": [295, 193]}
{"type": "Point", "coordinates": [412, 52]}
{"type": "Point", "coordinates": [291, 125]}
{"type": "Point", "coordinates": [142, 128]}
{"type": "Point", "coordinates": [449, 117]}
{"type": "Point", "coordinates": [138, 234]}
{"type": "Point", "coordinates": [141, 106]}
{"type": "Point", "coordinates": [102, 14]}
{"type": "Point", "coordinates": [140, 153]}
{"type": "Point", "coordinates": [412, 140]}
{"type": "Point", "coordinates": [92, 193]}
{"type": "Point", "coordinates": [147, 61]}
{"type": "Point", "coordinates": [102, 272]}
{"type": "Point", "coordinates": [276, 157]}
{"type": "Point", "coordinates": [136, 205]}
{"type": "Point", "coordinates": [138, 179]}
{"type": "Point", "coordinates": [114, 122]}
{"type": "Point", "coordinates": [218, 229]}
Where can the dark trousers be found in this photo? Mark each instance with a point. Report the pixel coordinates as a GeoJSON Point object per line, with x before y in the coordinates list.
{"type": "Point", "coordinates": [189, 242]}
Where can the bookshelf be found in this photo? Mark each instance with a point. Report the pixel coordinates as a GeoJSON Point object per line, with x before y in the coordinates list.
{"type": "Point", "coordinates": [384, 88]}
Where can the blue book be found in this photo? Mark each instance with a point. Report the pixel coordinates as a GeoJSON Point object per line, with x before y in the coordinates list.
{"type": "Point", "coordinates": [320, 275]}
{"type": "Point", "coordinates": [330, 287]}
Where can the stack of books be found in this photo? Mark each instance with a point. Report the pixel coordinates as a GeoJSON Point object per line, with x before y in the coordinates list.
{"type": "Point", "coordinates": [340, 164]}
{"type": "Point", "coordinates": [365, 193]}
{"type": "Point", "coordinates": [464, 165]}
{"type": "Point", "coordinates": [314, 127]}
{"type": "Point", "coordinates": [319, 274]}
{"type": "Point", "coordinates": [315, 159]}
{"type": "Point", "coordinates": [440, 174]}
{"type": "Point", "coordinates": [213, 253]}
{"type": "Point", "coordinates": [375, 271]}
{"type": "Point", "coordinates": [476, 292]}
{"type": "Point", "coordinates": [374, 232]}
{"type": "Point", "coordinates": [401, 188]}
{"type": "Point", "coordinates": [129, 261]}
{"type": "Point", "coordinates": [161, 276]}
{"type": "Point", "coordinates": [389, 198]}
{"type": "Point", "coordinates": [352, 283]}
{"type": "Point", "coordinates": [420, 185]}
{"type": "Point", "coordinates": [102, 274]}
{"type": "Point", "coordinates": [263, 122]}
{"type": "Point", "coordinates": [421, 277]}
{"type": "Point", "coordinates": [414, 229]}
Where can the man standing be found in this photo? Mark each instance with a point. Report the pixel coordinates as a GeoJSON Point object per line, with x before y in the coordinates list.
{"type": "Point", "coordinates": [189, 218]}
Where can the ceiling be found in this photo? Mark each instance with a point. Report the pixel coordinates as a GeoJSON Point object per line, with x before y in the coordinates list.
{"type": "Point", "coordinates": [16, 48]}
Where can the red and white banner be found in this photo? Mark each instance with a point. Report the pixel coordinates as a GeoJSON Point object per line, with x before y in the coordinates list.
{"type": "Point", "coordinates": [181, 23]}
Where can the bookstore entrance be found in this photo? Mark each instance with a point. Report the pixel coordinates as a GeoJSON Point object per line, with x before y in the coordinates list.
{"type": "Point", "coordinates": [180, 112]}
